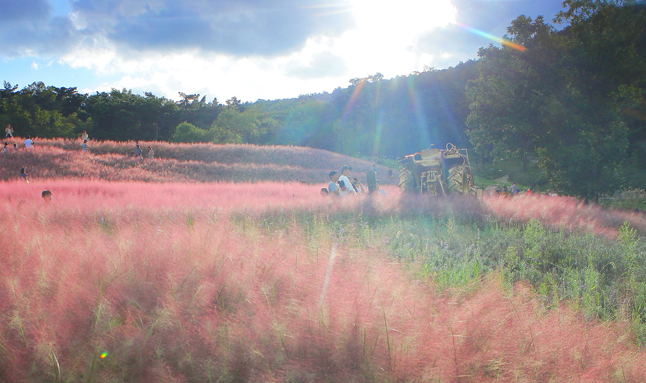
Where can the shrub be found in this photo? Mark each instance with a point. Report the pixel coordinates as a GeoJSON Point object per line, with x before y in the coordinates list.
{"type": "Point", "coordinates": [189, 133]}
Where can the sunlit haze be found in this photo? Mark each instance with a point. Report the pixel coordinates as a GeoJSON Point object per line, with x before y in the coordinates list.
{"type": "Point", "coordinates": [269, 50]}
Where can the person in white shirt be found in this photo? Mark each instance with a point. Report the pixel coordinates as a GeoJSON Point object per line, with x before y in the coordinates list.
{"type": "Point", "coordinates": [9, 131]}
{"type": "Point", "coordinates": [345, 185]}
{"type": "Point", "coordinates": [29, 144]}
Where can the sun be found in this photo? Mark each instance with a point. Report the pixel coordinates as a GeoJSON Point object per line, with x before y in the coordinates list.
{"type": "Point", "coordinates": [401, 20]}
{"type": "Point", "coordinates": [387, 32]}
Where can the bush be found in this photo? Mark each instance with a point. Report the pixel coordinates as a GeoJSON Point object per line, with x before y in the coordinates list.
{"type": "Point", "coordinates": [189, 133]}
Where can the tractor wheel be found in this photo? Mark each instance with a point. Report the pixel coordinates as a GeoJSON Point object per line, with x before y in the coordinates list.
{"type": "Point", "coordinates": [457, 181]}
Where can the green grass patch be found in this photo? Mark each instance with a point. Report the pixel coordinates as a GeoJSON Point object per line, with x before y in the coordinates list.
{"type": "Point", "coordinates": [603, 278]}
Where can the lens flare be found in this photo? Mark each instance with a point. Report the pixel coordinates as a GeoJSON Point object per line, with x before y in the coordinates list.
{"type": "Point", "coordinates": [492, 37]}
{"type": "Point", "coordinates": [420, 115]}
{"type": "Point", "coordinates": [104, 355]}
{"type": "Point", "coordinates": [351, 101]}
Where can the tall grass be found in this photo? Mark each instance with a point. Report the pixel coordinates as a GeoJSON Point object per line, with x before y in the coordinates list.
{"type": "Point", "coordinates": [247, 283]}
{"type": "Point", "coordinates": [110, 160]}
{"type": "Point", "coordinates": [565, 212]}
{"type": "Point", "coordinates": [596, 266]}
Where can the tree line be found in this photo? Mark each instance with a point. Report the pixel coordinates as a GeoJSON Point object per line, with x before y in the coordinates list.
{"type": "Point", "coordinates": [575, 98]}
{"type": "Point", "coordinates": [572, 99]}
{"type": "Point", "coordinates": [372, 116]}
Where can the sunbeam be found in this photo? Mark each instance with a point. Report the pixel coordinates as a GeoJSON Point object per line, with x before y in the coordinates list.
{"type": "Point", "coordinates": [449, 120]}
{"type": "Point", "coordinates": [352, 100]}
{"type": "Point", "coordinates": [420, 116]}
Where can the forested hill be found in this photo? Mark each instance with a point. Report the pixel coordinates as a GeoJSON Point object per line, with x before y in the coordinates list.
{"type": "Point", "coordinates": [372, 116]}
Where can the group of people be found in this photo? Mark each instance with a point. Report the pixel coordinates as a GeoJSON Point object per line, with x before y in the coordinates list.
{"type": "Point", "coordinates": [138, 153]}
{"type": "Point", "coordinates": [342, 185]}
{"type": "Point", "coordinates": [29, 143]}
{"type": "Point", "coordinates": [513, 190]}
{"type": "Point", "coordinates": [509, 191]}
{"type": "Point", "coordinates": [85, 138]}
{"type": "Point", "coordinates": [46, 194]}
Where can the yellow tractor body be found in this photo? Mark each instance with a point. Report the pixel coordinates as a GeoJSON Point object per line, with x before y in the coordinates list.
{"type": "Point", "coordinates": [438, 172]}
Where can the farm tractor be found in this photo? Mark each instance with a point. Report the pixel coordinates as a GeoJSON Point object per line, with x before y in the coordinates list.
{"type": "Point", "coordinates": [438, 172]}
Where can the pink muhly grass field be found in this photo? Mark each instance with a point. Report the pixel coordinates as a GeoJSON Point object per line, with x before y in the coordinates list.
{"type": "Point", "coordinates": [149, 282]}
{"type": "Point", "coordinates": [110, 160]}
{"type": "Point", "coordinates": [564, 212]}
{"type": "Point", "coordinates": [72, 195]}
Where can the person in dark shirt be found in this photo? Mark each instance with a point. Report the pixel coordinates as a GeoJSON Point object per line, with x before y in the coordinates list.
{"type": "Point", "coordinates": [24, 175]}
{"type": "Point", "coordinates": [371, 178]}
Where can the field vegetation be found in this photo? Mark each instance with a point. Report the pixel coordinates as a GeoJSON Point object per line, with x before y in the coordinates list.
{"type": "Point", "coordinates": [132, 281]}
{"type": "Point", "coordinates": [114, 161]}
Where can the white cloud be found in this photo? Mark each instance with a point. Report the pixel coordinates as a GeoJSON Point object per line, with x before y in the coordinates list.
{"type": "Point", "coordinates": [251, 48]}
{"type": "Point", "coordinates": [384, 40]}
{"type": "Point", "coordinates": [34, 65]}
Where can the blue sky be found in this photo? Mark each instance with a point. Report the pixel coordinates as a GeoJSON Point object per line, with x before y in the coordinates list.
{"type": "Point", "coordinates": [251, 49]}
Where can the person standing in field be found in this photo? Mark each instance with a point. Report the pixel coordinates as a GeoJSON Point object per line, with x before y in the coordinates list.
{"type": "Point", "coordinates": [84, 146]}
{"type": "Point", "coordinates": [5, 149]}
{"type": "Point", "coordinates": [345, 185]}
{"type": "Point", "coordinates": [84, 136]}
{"type": "Point", "coordinates": [371, 178]}
{"type": "Point", "coordinates": [9, 131]}
{"type": "Point", "coordinates": [151, 153]}
{"type": "Point", "coordinates": [24, 175]}
{"type": "Point", "coordinates": [138, 152]}
{"type": "Point", "coordinates": [29, 144]}
{"type": "Point", "coordinates": [332, 187]}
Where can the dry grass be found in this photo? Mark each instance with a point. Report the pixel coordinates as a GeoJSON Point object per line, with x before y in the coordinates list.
{"type": "Point", "coordinates": [171, 287]}
{"type": "Point", "coordinates": [564, 212]}
{"type": "Point", "coordinates": [109, 160]}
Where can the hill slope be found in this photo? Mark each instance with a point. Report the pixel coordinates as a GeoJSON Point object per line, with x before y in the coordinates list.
{"type": "Point", "coordinates": [109, 160]}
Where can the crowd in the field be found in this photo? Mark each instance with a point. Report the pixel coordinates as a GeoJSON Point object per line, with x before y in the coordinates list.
{"type": "Point", "coordinates": [28, 144]}
{"type": "Point", "coordinates": [343, 184]}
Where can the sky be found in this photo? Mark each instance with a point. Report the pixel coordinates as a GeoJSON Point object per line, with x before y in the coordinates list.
{"type": "Point", "coordinates": [250, 49]}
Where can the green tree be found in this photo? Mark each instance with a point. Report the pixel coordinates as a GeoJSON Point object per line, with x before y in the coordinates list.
{"type": "Point", "coordinates": [123, 115]}
{"type": "Point", "coordinates": [189, 133]}
{"type": "Point", "coordinates": [232, 126]}
{"type": "Point", "coordinates": [558, 98]}
{"type": "Point", "coordinates": [509, 97]}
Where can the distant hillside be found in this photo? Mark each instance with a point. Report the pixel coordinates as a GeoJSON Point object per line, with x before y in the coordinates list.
{"type": "Point", "coordinates": [373, 116]}
{"type": "Point", "coordinates": [109, 160]}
